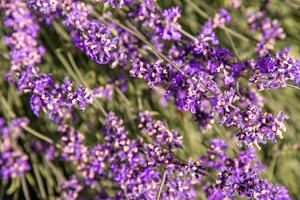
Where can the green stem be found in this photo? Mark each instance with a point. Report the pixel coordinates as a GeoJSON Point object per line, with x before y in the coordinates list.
{"type": "Point", "coordinates": [76, 69]}
{"type": "Point", "coordinates": [231, 43]}
{"type": "Point", "coordinates": [125, 99]}
{"type": "Point", "coordinates": [197, 9]}
{"type": "Point", "coordinates": [39, 179]}
{"type": "Point", "coordinates": [161, 185]}
{"type": "Point", "coordinates": [28, 129]}
{"type": "Point", "coordinates": [293, 86]}
{"type": "Point", "coordinates": [25, 188]}
{"type": "Point", "coordinates": [58, 174]}
{"type": "Point", "coordinates": [66, 64]}
{"type": "Point", "coordinates": [187, 34]}
{"type": "Point", "coordinates": [38, 135]}
{"type": "Point", "coordinates": [9, 112]}
{"type": "Point", "coordinates": [61, 31]}
{"type": "Point", "coordinates": [101, 108]}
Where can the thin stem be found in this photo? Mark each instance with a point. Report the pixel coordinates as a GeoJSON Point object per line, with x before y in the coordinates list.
{"type": "Point", "coordinates": [61, 31]}
{"type": "Point", "coordinates": [231, 43]}
{"type": "Point", "coordinates": [140, 102]}
{"type": "Point", "coordinates": [101, 108]}
{"type": "Point", "coordinates": [39, 135]}
{"type": "Point", "coordinates": [125, 99]}
{"type": "Point", "coordinates": [197, 9]}
{"type": "Point", "coordinates": [187, 34]}
{"type": "Point", "coordinates": [66, 64]}
{"type": "Point", "coordinates": [5, 105]}
{"type": "Point", "coordinates": [25, 188]}
{"type": "Point", "coordinates": [28, 129]}
{"type": "Point", "coordinates": [58, 175]}
{"type": "Point", "coordinates": [293, 86]}
{"type": "Point", "coordinates": [237, 35]}
{"type": "Point", "coordinates": [39, 179]}
{"type": "Point", "coordinates": [76, 69]}
{"type": "Point", "coordinates": [161, 185]}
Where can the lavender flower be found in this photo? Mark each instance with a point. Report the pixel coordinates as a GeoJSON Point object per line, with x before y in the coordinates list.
{"type": "Point", "coordinates": [49, 150]}
{"type": "Point", "coordinates": [154, 73]}
{"type": "Point", "coordinates": [158, 131]}
{"type": "Point", "coordinates": [92, 37]}
{"type": "Point", "coordinates": [57, 100]}
{"type": "Point", "coordinates": [25, 50]}
{"type": "Point", "coordinates": [179, 187]}
{"type": "Point", "coordinates": [132, 164]}
{"type": "Point", "coordinates": [207, 35]}
{"type": "Point", "coordinates": [255, 127]}
{"type": "Point", "coordinates": [163, 22]}
{"type": "Point", "coordinates": [72, 144]}
{"type": "Point", "coordinates": [241, 175]}
{"type": "Point", "coordinates": [26, 53]}
{"type": "Point", "coordinates": [274, 72]}
{"type": "Point", "coordinates": [203, 85]}
{"type": "Point", "coordinates": [170, 26]}
{"type": "Point", "coordinates": [13, 162]}
{"type": "Point", "coordinates": [46, 7]}
{"type": "Point", "coordinates": [215, 156]}
{"type": "Point", "coordinates": [96, 41]}
{"type": "Point", "coordinates": [114, 3]}
{"type": "Point", "coordinates": [271, 30]}
{"type": "Point", "coordinates": [70, 189]}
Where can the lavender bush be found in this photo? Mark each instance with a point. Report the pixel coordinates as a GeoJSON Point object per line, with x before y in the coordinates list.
{"type": "Point", "coordinates": [145, 99]}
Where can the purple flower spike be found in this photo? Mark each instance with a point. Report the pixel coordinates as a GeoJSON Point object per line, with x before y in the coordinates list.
{"type": "Point", "coordinates": [13, 162]}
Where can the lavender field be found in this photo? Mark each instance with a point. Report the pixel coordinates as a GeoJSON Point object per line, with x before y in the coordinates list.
{"type": "Point", "coordinates": [150, 99]}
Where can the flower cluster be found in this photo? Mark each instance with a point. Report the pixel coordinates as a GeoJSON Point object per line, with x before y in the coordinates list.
{"type": "Point", "coordinates": [48, 150]}
{"type": "Point", "coordinates": [70, 189]}
{"type": "Point", "coordinates": [196, 72]}
{"type": "Point", "coordinates": [107, 90]}
{"type": "Point", "coordinates": [238, 175]}
{"type": "Point", "coordinates": [273, 72]}
{"type": "Point", "coordinates": [207, 35]}
{"type": "Point", "coordinates": [56, 99]}
{"type": "Point", "coordinates": [270, 31]}
{"type": "Point", "coordinates": [164, 23]}
{"type": "Point", "coordinates": [197, 88]}
{"type": "Point", "coordinates": [25, 51]}
{"type": "Point", "coordinates": [49, 8]}
{"type": "Point", "coordinates": [13, 161]}
{"type": "Point", "coordinates": [130, 163]}
{"type": "Point", "coordinates": [115, 3]}
{"type": "Point", "coordinates": [255, 127]}
{"type": "Point", "coordinates": [92, 37]}
{"type": "Point", "coordinates": [158, 131]}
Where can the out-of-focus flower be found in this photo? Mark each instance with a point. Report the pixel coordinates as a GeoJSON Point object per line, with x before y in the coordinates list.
{"type": "Point", "coordinates": [70, 189]}
{"type": "Point", "coordinates": [273, 72]}
{"type": "Point", "coordinates": [239, 175]}
{"type": "Point", "coordinates": [13, 161]}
